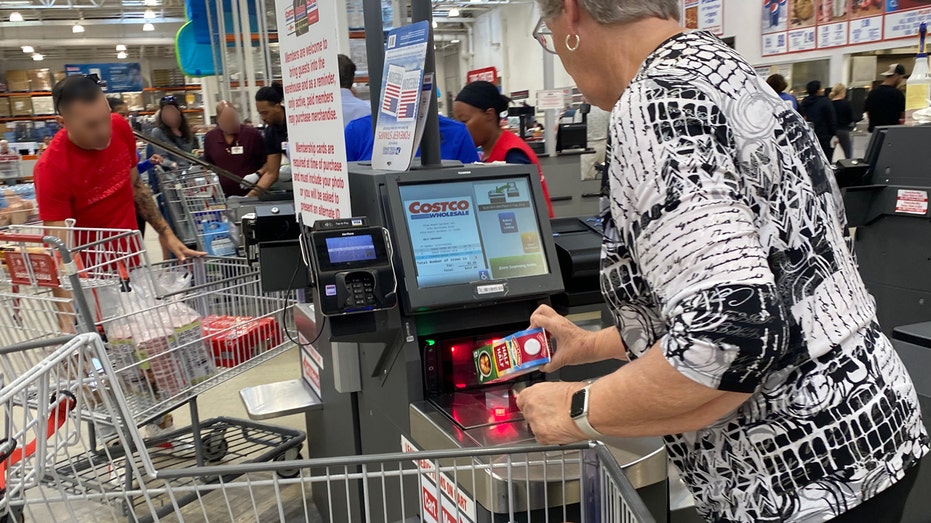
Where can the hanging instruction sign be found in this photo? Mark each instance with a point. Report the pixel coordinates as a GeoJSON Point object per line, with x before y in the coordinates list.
{"type": "Point", "coordinates": [395, 133]}
{"type": "Point", "coordinates": [317, 147]}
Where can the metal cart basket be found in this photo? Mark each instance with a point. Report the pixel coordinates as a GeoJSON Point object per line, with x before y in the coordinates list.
{"type": "Point", "coordinates": [197, 209]}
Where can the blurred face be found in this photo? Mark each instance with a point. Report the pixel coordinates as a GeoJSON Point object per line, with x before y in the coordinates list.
{"type": "Point", "coordinates": [228, 121]}
{"type": "Point", "coordinates": [122, 110]}
{"type": "Point", "coordinates": [270, 113]}
{"type": "Point", "coordinates": [88, 123]}
{"type": "Point", "coordinates": [171, 116]}
{"type": "Point", "coordinates": [481, 124]}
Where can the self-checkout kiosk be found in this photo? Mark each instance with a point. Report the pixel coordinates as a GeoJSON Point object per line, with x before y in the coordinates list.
{"type": "Point", "coordinates": [473, 258]}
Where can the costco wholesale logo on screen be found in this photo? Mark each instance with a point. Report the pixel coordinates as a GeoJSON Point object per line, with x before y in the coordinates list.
{"type": "Point", "coordinates": [438, 209]}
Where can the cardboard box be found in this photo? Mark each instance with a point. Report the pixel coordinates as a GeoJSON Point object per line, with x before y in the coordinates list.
{"type": "Point", "coordinates": [21, 105]}
{"type": "Point", "coordinates": [40, 79]}
{"type": "Point", "coordinates": [43, 105]}
{"type": "Point", "coordinates": [5, 110]}
{"type": "Point", "coordinates": [515, 355]}
{"type": "Point", "coordinates": [17, 81]}
{"type": "Point", "coordinates": [134, 100]}
{"type": "Point", "coordinates": [58, 76]}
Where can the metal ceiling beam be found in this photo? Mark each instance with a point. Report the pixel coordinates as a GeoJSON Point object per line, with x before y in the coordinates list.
{"type": "Point", "coordinates": [90, 21]}
{"type": "Point", "coordinates": [86, 42]}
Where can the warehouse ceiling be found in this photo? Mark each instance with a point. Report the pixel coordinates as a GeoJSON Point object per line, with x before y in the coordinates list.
{"type": "Point", "coordinates": [48, 26]}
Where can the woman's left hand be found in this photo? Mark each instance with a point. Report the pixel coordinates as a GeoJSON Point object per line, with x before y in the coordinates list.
{"type": "Point", "coordinates": [546, 408]}
{"type": "Point", "coordinates": [156, 159]}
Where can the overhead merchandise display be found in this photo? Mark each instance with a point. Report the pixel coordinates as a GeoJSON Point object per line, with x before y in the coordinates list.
{"type": "Point", "coordinates": [793, 26]}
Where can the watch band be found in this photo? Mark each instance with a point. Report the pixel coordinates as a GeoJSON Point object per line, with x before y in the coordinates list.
{"type": "Point", "coordinates": [582, 421]}
{"type": "Point", "coordinates": [586, 428]}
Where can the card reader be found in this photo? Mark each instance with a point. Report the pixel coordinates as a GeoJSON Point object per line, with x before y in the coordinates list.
{"type": "Point", "coordinates": [352, 266]}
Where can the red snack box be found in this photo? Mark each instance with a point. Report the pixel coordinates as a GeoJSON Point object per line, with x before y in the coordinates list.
{"type": "Point", "coordinates": [237, 339]}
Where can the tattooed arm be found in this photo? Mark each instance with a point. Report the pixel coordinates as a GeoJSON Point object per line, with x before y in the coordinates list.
{"type": "Point", "coordinates": [147, 208]}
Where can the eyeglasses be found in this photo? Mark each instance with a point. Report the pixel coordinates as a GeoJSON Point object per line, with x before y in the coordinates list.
{"type": "Point", "coordinates": [543, 36]}
{"type": "Point", "coordinates": [168, 100]}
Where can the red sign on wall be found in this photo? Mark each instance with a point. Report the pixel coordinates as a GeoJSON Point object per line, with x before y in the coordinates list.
{"type": "Point", "coordinates": [487, 74]}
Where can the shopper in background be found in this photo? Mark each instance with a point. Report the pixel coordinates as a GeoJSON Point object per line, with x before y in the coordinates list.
{"type": "Point", "coordinates": [885, 105]}
{"type": "Point", "coordinates": [269, 101]}
{"type": "Point", "coordinates": [844, 112]}
{"type": "Point", "coordinates": [817, 109]}
{"type": "Point", "coordinates": [89, 171]}
{"type": "Point", "coordinates": [455, 141]}
{"type": "Point", "coordinates": [753, 342]}
{"type": "Point", "coordinates": [172, 128]}
{"type": "Point", "coordinates": [5, 147]}
{"type": "Point", "coordinates": [353, 107]}
{"type": "Point", "coordinates": [779, 84]}
{"type": "Point", "coordinates": [479, 106]}
{"type": "Point", "coordinates": [117, 106]}
{"type": "Point", "coordinates": [235, 147]}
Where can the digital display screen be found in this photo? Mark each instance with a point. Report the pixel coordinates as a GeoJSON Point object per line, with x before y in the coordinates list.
{"type": "Point", "coordinates": [473, 231]}
{"type": "Point", "coordinates": [348, 249]}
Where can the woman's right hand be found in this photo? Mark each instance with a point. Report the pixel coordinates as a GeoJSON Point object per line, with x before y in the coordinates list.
{"type": "Point", "coordinates": [574, 345]}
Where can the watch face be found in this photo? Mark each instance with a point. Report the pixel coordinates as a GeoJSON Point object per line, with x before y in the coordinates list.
{"type": "Point", "coordinates": [578, 404]}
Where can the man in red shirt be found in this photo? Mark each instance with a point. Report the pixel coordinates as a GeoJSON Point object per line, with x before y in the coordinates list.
{"type": "Point", "coordinates": [89, 173]}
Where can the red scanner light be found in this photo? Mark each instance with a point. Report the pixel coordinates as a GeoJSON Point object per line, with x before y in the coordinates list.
{"type": "Point", "coordinates": [500, 412]}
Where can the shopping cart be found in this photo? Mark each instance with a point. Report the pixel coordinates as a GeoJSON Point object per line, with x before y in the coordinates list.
{"type": "Point", "coordinates": [163, 347]}
{"type": "Point", "coordinates": [197, 209]}
{"type": "Point", "coordinates": [50, 457]}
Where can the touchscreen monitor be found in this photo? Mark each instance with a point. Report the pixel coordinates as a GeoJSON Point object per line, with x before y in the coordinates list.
{"type": "Point", "coordinates": [472, 231]}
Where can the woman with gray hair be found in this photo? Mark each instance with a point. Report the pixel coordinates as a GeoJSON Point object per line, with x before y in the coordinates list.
{"type": "Point", "coordinates": [752, 340]}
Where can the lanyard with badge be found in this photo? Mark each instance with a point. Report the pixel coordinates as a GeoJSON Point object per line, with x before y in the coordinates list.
{"type": "Point", "coordinates": [235, 149]}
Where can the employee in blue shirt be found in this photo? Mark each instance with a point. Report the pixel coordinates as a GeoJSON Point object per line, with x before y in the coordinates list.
{"type": "Point", "coordinates": [455, 141]}
{"type": "Point", "coordinates": [353, 107]}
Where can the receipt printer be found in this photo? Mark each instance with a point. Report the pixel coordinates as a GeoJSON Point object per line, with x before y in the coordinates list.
{"type": "Point", "coordinates": [352, 266]}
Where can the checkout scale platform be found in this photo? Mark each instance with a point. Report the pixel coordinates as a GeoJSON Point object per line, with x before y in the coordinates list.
{"type": "Point", "coordinates": [473, 255]}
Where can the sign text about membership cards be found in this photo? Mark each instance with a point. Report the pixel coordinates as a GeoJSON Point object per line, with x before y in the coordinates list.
{"type": "Point", "coordinates": [315, 126]}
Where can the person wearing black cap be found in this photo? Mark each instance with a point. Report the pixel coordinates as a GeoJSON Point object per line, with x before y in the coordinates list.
{"type": "Point", "coordinates": [885, 104]}
{"type": "Point", "coordinates": [479, 105]}
{"type": "Point", "coordinates": [817, 109]}
{"type": "Point", "coordinates": [172, 128]}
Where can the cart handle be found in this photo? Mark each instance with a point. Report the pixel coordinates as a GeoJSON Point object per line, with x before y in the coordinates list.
{"type": "Point", "coordinates": [24, 238]}
{"type": "Point", "coordinates": [62, 404]}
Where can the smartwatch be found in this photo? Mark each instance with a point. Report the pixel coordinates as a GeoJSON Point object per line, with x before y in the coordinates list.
{"type": "Point", "coordinates": [578, 411]}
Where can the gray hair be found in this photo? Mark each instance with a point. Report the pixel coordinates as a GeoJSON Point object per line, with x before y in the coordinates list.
{"type": "Point", "coordinates": [618, 11]}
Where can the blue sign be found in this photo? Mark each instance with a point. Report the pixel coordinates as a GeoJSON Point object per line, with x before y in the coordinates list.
{"type": "Point", "coordinates": [120, 77]}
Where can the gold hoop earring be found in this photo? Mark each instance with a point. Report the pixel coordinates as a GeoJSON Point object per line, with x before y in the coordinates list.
{"type": "Point", "coordinates": [577, 41]}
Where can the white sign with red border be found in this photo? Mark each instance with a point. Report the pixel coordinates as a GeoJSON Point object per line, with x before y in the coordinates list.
{"type": "Point", "coordinates": [912, 202]}
{"type": "Point", "coordinates": [454, 504]}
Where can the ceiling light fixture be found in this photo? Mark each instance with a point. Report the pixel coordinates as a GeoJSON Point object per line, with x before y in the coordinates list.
{"type": "Point", "coordinates": [120, 47]}
{"type": "Point", "coordinates": [121, 55]}
{"type": "Point", "coordinates": [28, 49]}
{"type": "Point", "coordinates": [148, 27]}
{"type": "Point", "coordinates": [149, 14]}
{"type": "Point", "coordinates": [38, 57]}
{"type": "Point", "coordinates": [454, 12]}
{"type": "Point", "coordinates": [15, 16]}
{"type": "Point", "coordinates": [77, 28]}
{"type": "Point", "coordinates": [454, 41]}
{"type": "Point", "coordinates": [151, 2]}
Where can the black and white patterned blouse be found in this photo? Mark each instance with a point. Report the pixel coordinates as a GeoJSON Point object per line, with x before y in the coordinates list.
{"type": "Point", "coordinates": [726, 245]}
